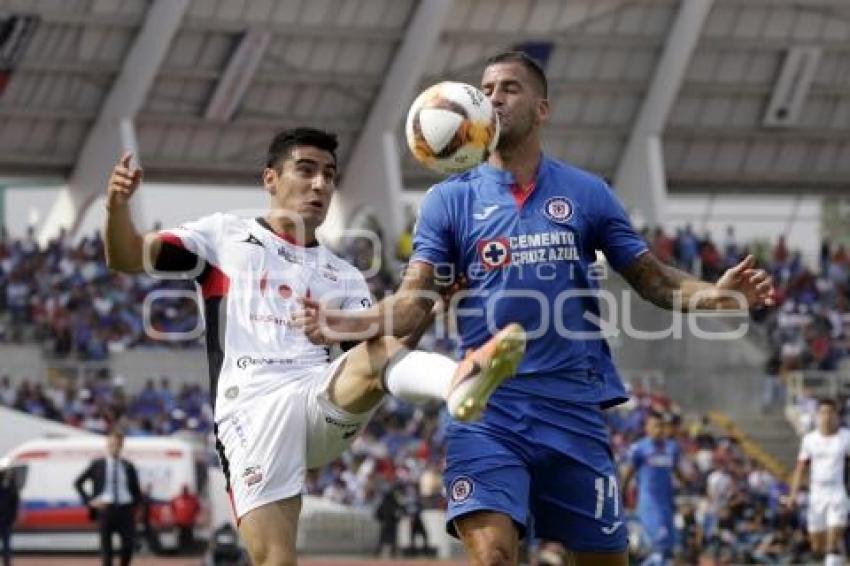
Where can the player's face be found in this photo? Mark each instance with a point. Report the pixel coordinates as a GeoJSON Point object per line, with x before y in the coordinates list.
{"type": "Point", "coordinates": [304, 185]}
{"type": "Point", "coordinates": [654, 429]}
{"type": "Point", "coordinates": [827, 418]}
{"type": "Point", "coordinates": [516, 99]}
{"type": "Point", "coordinates": [113, 444]}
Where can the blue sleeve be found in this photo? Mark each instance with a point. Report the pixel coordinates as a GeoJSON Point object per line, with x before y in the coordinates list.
{"type": "Point", "coordinates": [432, 238]}
{"type": "Point", "coordinates": [615, 236]}
{"type": "Point", "coordinates": [635, 456]}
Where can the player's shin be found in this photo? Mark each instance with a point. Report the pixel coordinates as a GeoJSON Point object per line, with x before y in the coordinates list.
{"type": "Point", "coordinates": [417, 376]}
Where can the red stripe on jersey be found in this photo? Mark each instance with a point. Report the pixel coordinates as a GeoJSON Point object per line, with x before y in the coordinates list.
{"type": "Point", "coordinates": [172, 239]}
{"type": "Point", "coordinates": [521, 194]}
{"type": "Point", "coordinates": [215, 284]}
{"type": "Point", "coordinates": [233, 506]}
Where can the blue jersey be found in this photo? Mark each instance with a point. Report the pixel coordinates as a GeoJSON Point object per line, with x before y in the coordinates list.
{"type": "Point", "coordinates": [654, 463]}
{"type": "Point", "coordinates": [533, 264]}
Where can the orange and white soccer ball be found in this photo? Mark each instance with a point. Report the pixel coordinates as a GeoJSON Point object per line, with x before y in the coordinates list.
{"type": "Point", "coordinates": [451, 127]}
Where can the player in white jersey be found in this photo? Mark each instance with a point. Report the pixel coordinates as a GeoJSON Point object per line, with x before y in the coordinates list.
{"type": "Point", "coordinates": [280, 405]}
{"type": "Point", "coordinates": [825, 451]}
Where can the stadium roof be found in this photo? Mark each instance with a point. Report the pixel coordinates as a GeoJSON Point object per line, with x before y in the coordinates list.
{"type": "Point", "coordinates": [764, 103]}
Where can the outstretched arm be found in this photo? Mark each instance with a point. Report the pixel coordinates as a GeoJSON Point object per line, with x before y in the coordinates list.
{"type": "Point", "coordinates": [407, 313]}
{"type": "Point", "coordinates": [123, 245]}
{"type": "Point", "coordinates": [796, 482]}
{"type": "Point", "coordinates": [739, 288]}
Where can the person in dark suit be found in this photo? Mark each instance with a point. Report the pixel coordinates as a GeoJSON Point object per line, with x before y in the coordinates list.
{"type": "Point", "coordinates": [113, 498]}
{"type": "Point", "coordinates": [9, 500]}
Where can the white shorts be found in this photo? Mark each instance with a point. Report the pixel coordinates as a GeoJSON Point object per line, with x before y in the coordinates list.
{"type": "Point", "coordinates": [267, 445]}
{"type": "Point", "coordinates": [827, 512]}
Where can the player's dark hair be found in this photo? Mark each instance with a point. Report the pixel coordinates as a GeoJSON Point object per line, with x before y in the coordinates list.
{"type": "Point", "coordinates": [529, 63]}
{"type": "Point", "coordinates": [654, 415]}
{"type": "Point", "coordinates": [284, 142]}
{"type": "Point", "coordinates": [829, 402]}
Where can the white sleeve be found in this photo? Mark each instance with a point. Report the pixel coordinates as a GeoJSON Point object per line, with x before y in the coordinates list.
{"type": "Point", "coordinates": [357, 295]}
{"type": "Point", "coordinates": [805, 449]}
{"type": "Point", "coordinates": [201, 237]}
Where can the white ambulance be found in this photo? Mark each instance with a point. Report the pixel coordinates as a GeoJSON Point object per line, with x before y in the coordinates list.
{"type": "Point", "coordinates": [52, 515]}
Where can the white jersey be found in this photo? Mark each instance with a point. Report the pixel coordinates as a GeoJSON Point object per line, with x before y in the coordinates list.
{"type": "Point", "coordinates": [826, 455]}
{"type": "Point", "coordinates": [251, 279]}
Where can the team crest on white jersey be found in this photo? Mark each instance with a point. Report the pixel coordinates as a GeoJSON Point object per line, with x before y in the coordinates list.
{"type": "Point", "coordinates": [558, 210]}
{"type": "Point", "coordinates": [252, 475]}
{"type": "Point", "coordinates": [285, 291]}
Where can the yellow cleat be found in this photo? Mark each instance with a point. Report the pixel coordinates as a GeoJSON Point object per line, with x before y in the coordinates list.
{"type": "Point", "coordinates": [483, 370]}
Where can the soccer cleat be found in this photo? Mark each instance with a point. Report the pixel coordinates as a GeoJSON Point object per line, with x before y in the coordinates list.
{"type": "Point", "coordinates": [483, 370]}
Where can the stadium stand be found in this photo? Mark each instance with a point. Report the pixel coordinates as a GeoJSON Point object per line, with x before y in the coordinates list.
{"type": "Point", "coordinates": [63, 298]}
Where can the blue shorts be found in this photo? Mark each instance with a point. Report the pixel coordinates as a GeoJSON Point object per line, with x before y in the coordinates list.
{"type": "Point", "coordinates": [660, 529]}
{"type": "Point", "coordinates": [541, 461]}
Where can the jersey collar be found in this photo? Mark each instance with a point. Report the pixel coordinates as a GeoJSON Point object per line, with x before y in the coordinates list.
{"type": "Point", "coordinates": [285, 237]}
{"type": "Point", "coordinates": [506, 177]}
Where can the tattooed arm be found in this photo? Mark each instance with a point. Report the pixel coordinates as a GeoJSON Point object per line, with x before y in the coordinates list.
{"type": "Point", "coordinates": [739, 288]}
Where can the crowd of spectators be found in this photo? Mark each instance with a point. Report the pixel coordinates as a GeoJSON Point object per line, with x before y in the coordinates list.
{"type": "Point", "coordinates": [64, 297]}
{"type": "Point", "coordinates": [809, 329]}
{"type": "Point", "coordinates": [100, 402]}
{"type": "Point", "coordinates": [729, 510]}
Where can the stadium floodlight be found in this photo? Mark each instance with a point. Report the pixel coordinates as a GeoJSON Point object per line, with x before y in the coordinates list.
{"type": "Point", "coordinates": [237, 75]}
{"type": "Point", "coordinates": [792, 87]}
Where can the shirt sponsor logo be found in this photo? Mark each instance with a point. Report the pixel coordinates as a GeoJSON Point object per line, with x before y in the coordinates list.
{"type": "Point", "coordinates": [558, 210]}
{"type": "Point", "coordinates": [522, 249]}
{"type": "Point", "coordinates": [270, 319]}
{"type": "Point", "coordinates": [329, 272]}
{"type": "Point", "coordinates": [660, 461]}
{"type": "Point", "coordinates": [494, 253]}
{"type": "Point", "coordinates": [244, 362]}
{"type": "Point", "coordinates": [289, 255]}
{"type": "Point", "coordinates": [349, 429]}
{"type": "Point", "coordinates": [461, 489]}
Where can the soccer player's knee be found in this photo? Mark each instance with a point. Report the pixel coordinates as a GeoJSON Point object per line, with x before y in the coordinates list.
{"type": "Point", "coordinates": [273, 555]}
{"type": "Point", "coordinates": [386, 345]}
{"type": "Point", "coordinates": [381, 350]}
{"type": "Point", "coordinates": [270, 553]}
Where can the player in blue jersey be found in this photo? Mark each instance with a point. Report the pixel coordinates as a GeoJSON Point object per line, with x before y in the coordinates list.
{"type": "Point", "coordinates": [654, 460]}
{"type": "Point", "coordinates": [524, 229]}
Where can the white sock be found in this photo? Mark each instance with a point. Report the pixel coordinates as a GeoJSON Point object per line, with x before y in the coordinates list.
{"type": "Point", "coordinates": [833, 560]}
{"type": "Point", "coordinates": [419, 376]}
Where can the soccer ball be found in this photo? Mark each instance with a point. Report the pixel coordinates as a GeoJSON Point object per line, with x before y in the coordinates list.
{"type": "Point", "coordinates": [451, 127]}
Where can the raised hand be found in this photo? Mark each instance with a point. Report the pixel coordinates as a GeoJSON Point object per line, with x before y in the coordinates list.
{"type": "Point", "coordinates": [123, 182]}
{"type": "Point", "coordinates": [755, 285]}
